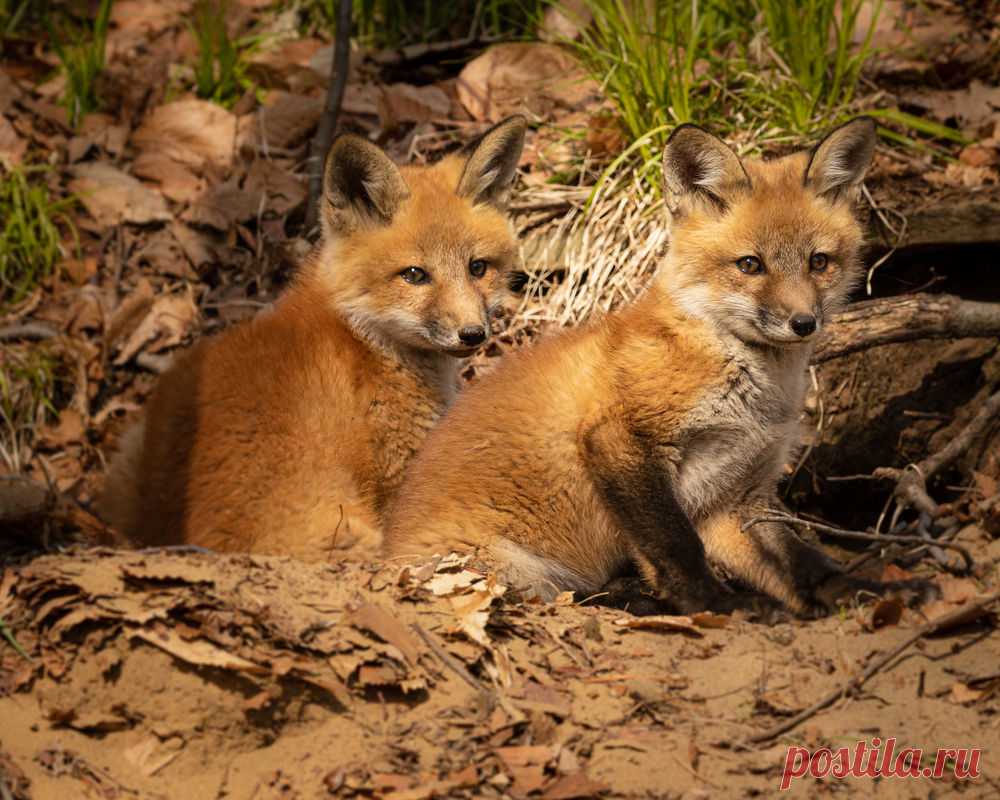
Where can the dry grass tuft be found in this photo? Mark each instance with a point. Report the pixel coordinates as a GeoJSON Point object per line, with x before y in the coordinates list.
{"type": "Point", "coordinates": [592, 258]}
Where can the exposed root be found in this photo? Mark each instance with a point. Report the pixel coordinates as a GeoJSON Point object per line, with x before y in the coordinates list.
{"type": "Point", "coordinates": [911, 482]}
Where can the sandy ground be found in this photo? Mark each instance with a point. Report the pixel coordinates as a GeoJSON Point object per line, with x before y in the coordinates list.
{"type": "Point", "coordinates": [186, 675]}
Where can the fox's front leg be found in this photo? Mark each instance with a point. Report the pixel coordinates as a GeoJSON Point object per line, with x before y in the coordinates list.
{"type": "Point", "coordinates": [633, 482]}
{"type": "Point", "coordinates": [768, 556]}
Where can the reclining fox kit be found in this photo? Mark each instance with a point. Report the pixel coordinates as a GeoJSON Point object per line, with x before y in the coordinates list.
{"type": "Point", "coordinates": [652, 435]}
{"type": "Point", "coordinates": [290, 434]}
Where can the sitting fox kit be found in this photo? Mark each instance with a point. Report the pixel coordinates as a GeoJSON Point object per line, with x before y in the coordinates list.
{"type": "Point", "coordinates": [652, 435]}
{"type": "Point", "coordinates": [290, 433]}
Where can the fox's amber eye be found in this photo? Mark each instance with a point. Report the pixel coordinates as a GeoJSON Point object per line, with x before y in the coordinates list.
{"type": "Point", "coordinates": [818, 262]}
{"type": "Point", "coordinates": [477, 268]}
{"type": "Point", "coordinates": [415, 275]}
{"type": "Point", "coordinates": [750, 265]}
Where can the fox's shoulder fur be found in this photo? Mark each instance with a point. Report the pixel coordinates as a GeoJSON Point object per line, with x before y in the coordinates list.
{"type": "Point", "coordinates": [687, 400]}
{"type": "Point", "coordinates": [290, 433]}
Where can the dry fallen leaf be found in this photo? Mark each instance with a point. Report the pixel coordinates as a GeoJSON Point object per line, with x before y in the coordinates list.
{"type": "Point", "coordinates": [664, 623]}
{"type": "Point", "coordinates": [112, 197]}
{"type": "Point", "coordinates": [402, 102]}
{"type": "Point", "coordinates": [287, 119]}
{"type": "Point", "coordinates": [193, 132]}
{"type": "Point", "coordinates": [176, 181]}
{"type": "Point", "coordinates": [130, 312]}
{"type": "Point", "coordinates": [447, 583]}
{"type": "Point", "coordinates": [576, 786]}
{"type": "Point", "coordinates": [9, 92]}
{"type": "Point", "coordinates": [223, 206]}
{"type": "Point", "coordinates": [274, 189]}
{"type": "Point", "coordinates": [523, 76]}
{"type": "Point", "coordinates": [376, 619]}
{"type": "Point", "coordinates": [973, 106]}
{"type": "Point", "coordinates": [167, 322]}
{"type": "Point", "coordinates": [887, 611]}
{"type": "Point", "coordinates": [198, 651]}
{"type": "Point", "coordinates": [709, 619]}
{"type": "Point", "coordinates": [960, 693]}
{"type": "Point", "coordinates": [564, 21]}
{"type": "Point", "coordinates": [69, 429]}
{"type": "Point", "coordinates": [12, 146]}
{"type": "Point", "coordinates": [151, 754]}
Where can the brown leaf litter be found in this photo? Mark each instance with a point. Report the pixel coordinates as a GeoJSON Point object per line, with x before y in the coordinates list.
{"type": "Point", "coordinates": [167, 674]}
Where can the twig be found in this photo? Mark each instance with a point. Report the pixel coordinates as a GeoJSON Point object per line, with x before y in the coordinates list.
{"type": "Point", "coordinates": [966, 613]}
{"type": "Point", "coordinates": [911, 482]}
{"type": "Point", "coordinates": [34, 331]}
{"type": "Point", "coordinates": [859, 535]}
{"type": "Point", "coordinates": [339, 68]}
{"type": "Point", "coordinates": [899, 233]}
{"type": "Point", "coordinates": [446, 659]}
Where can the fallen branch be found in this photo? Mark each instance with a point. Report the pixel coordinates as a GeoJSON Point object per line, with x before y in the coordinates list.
{"type": "Point", "coordinates": [911, 482]}
{"type": "Point", "coordinates": [339, 68]}
{"type": "Point", "coordinates": [960, 616]}
{"type": "Point", "coordinates": [860, 535]}
{"type": "Point", "coordinates": [909, 318]}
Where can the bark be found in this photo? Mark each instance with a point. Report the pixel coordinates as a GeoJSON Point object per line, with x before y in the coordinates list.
{"type": "Point", "coordinates": [906, 319]}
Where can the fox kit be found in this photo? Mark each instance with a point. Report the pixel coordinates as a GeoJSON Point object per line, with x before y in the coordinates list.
{"type": "Point", "coordinates": [650, 435]}
{"type": "Point", "coordinates": [289, 434]}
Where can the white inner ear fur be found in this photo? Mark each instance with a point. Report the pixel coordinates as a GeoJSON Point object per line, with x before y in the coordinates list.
{"type": "Point", "coordinates": [711, 169]}
{"type": "Point", "coordinates": [485, 181]}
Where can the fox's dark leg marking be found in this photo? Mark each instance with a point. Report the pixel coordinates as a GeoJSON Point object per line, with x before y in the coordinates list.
{"type": "Point", "coordinates": [635, 486]}
{"type": "Point", "coordinates": [770, 557]}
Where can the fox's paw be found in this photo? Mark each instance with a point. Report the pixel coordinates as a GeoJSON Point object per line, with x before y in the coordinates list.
{"type": "Point", "coordinates": [632, 594]}
{"type": "Point", "coordinates": [842, 590]}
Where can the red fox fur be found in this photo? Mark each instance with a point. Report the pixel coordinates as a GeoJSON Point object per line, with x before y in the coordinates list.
{"type": "Point", "coordinates": [291, 433]}
{"type": "Point", "coordinates": [652, 434]}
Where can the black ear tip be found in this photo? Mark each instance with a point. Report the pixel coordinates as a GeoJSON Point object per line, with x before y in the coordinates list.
{"type": "Point", "coordinates": [686, 129]}
{"type": "Point", "coordinates": [514, 121]}
{"type": "Point", "coordinates": [862, 126]}
{"type": "Point", "coordinates": [346, 144]}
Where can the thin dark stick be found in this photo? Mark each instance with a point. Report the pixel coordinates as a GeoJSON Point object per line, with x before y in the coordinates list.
{"type": "Point", "coordinates": [339, 68]}
{"type": "Point", "coordinates": [860, 535]}
{"type": "Point", "coordinates": [966, 613]}
{"type": "Point", "coordinates": [445, 658]}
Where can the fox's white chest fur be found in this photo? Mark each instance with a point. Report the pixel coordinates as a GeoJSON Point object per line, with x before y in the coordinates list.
{"type": "Point", "coordinates": [742, 437]}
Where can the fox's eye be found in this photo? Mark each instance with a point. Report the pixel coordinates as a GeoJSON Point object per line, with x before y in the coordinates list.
{"type": "Point", "coordinates": [477, 267]}
{"type": "Point", "coordinates": [415, 275]}
{"type": "Point", "coordinates": [750, 265]}
{"type": "Point", "coordinates": [818, 262]}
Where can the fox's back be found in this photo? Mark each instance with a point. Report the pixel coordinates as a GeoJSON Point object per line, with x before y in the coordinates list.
{"type": "Point", "coordinates": [274, 408]}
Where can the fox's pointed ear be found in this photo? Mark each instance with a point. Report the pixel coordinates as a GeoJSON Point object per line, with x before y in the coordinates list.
{"type": "Point", "coordinates": [361, 186]}
{"type": "Point", "coordinates": [492, 163]}
{"type": "Point", "coordinates": [838, 163]}
{"type": "Point", "coordinates": [700, 166]}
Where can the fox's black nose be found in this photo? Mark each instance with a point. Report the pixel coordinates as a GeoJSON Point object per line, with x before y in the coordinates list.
{"type": "Point", "coordinates": [803, 324]}
{"type": "Point", "coordinates": [473, 335]}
